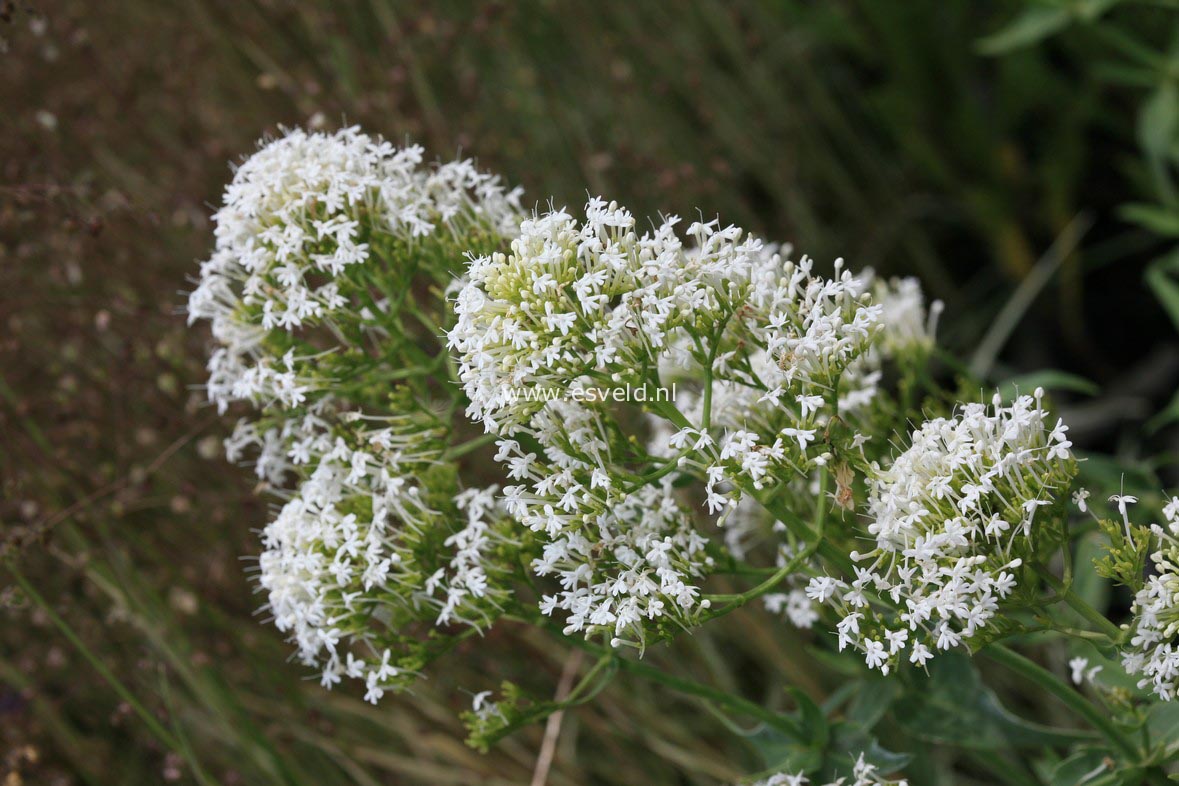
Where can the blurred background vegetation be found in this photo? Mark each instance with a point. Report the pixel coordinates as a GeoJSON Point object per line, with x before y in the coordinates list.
{"type": "Point", "coordinates": [1016, 157]}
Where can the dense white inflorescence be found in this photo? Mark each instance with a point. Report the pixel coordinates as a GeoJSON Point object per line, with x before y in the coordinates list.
{"type": "Point", "coordinates": [345, 567]}
{"type": "Point", "coordinates": [299, 218]}
{"type": "Point", "coordinates": [954, 517]}
{"type": "Point", "coordinates": [1153, 649]}
{"type": "Point", "coordinates": [598, 299]}
{"type": "Point", "coordinates": [594, 303]}
{"type": "Point", "coordinates": [742, 414]}
{"type": "Point", "coordinates": [320, 238]}
{"type": "Point", "coordinates": [624, 553]}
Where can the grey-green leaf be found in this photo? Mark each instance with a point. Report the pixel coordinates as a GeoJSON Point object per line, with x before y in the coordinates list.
{"type": "Point", "coordinates": [952, 706]}
{"type": "Point", "coordinates": [1034, 24]}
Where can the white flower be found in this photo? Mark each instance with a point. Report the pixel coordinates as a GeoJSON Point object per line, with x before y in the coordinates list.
{"type": "Point", "coordinates": [596, 297]}
{"type": "Point", "coordinates": [342, 558]}
{"type": "Point", "coordinates": [953, 517]}
{"type": "Point", "coordinates": [1153, 649]}
{"type": "Point", "coordinates": [299, 217]}
{"type": "Point", "coordinates": [1123, 500]}
{"type": "Point", "coordinates": [622, 556]}
{"type": "Point", "coordinates": [1081, 672]}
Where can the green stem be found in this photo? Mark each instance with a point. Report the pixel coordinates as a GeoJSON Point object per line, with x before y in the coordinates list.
{"type": "Point", "coordinates": [464, 448]}
{"type": "Point", "coordinates": [689, 687]}
{"type": "Point", "coordinates": [716, 696]}
{"type": "Point", "coordinates": [576, 697]}
{"type": "Point", "coordinates": [706, 417]}
{"type": "Point", "coordinates": [153, 725]}
{"type": "Point", "coordinates": [1078, 604]}
{"type": "Point", "coordinates": [816, 540]}
{"type": "Point", "coordinates": [713, 695]}
{"type": "Point", "coordinates": [669, 412]}
{"type": "Point", "coordinates": [1061, 690]}
{"type": "Point", "coordinates": [825, 549]}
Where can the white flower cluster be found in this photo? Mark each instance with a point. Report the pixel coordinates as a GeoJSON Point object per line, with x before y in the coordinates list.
{"type": "Point", "coordinates": [906, 323]}
{"type": "Point", "coordinates": [598, 299]}
{"type": "Point", "coordinates": [349, 561]}
{"type": "Point", "coordinates": [899, 325]}
{"type": "Point", "coordinates": [624, 552]}
{"type": "Point", "coordinates": [278, 447]}
{"type": "Point", "coordinates": [320, 238]}
{"type": "Point", "coordinates": [1153, 649]}
{"type": "Point", "coordinates": [596, 303]}
{"type": "Point", "coordinates": [769, 432]}
{"type": "Point", "coordinates": [864, 773]}
{"type": "Point", "coordinates": [954, 518]}
{"type": "Point", "coordinates": [303, 213]}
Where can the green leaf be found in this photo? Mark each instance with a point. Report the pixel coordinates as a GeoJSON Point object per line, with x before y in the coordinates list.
{"type": "Point", "coordinates": [1160, 220]}
{"type": "Point", "coordinates": [825, 749]}
{"type": "Point", "coordinates": [952, 706]}
{"type": "Point", "coordinates": [1092, 588]}
{"type": "Point", "coordinates": [1165, 417]}
{"type": "Point", "coordinates": [829, 761]}
{"type": "Point", "coordinates": [849, 740]}
{"type": "Point", "coordinates": [1159, 120]}
{"type": "Point", "coordinates": [1049, 379]}
{"type": "Point", "coordinates": [1162, 721]}
{"type": "Point", "coordinates": [814, 723]}
{"type": "Point", "coordinates": [781, 753]}
{"type": "Point", "coordinates": [1033, 25]}
{"type": "Point", "coordinates": [1090, 10]}
{"type": "Point", "coordinates": [872, 702]}
{"type": "Point", "coordinates": [1081, 769]}
{"type": "Point", "coordinates": [1164, 287]}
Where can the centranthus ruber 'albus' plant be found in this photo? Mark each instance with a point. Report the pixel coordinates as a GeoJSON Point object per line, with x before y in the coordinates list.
{"type": "Point", "coordinates": [469, 414]}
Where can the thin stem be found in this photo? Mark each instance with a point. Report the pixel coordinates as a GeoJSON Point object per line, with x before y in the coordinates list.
{"type": "Point", "coordinates": [706, 417]}
{"type": "Point", "coordinates": [582, 693]}
{"type": "Point", "coordinates": [715, 696]}
{"type": "Point", "coordinates": [827, 550]}
{"type": "Point", "coordinates": [464, 448]}
{"type": "Point", "coordinates": [1078, 604]}
{"type": "Point", "coordinates": [683, 685]}
{"type": "Point", "coordinates": [153, 725]}
{"type": "Point", "coordinates": [1061, 690]}
{"type": "Point", "coordinates": [664, 469]}
{"type": "Point", "coordinates": [736, 601]}
{"type": "Point", "coordinates": [668, 411]}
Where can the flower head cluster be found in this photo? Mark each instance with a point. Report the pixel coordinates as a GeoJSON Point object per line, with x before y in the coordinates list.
{"type": "Point", "coordinates": [596, 298]}
{"type": "Point", "coordinates": [320, 240]}
{"type": "Point", "coordinates": [364, 555]}
{"type": "Point", "coordinates": [624, 552]}
{"type": "Point", "coordinates": [597, 303]}
{"type": "Point", "coordinates": [954, 518]}
{"type": "Point", "coordinates": [906, 323]}
{"type": "Point", "coordinates": [301, 221]}
{"type": "Point", "coordinates": [594, 302]}
{"type": "Point", "coordinates": [1153, 651]}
